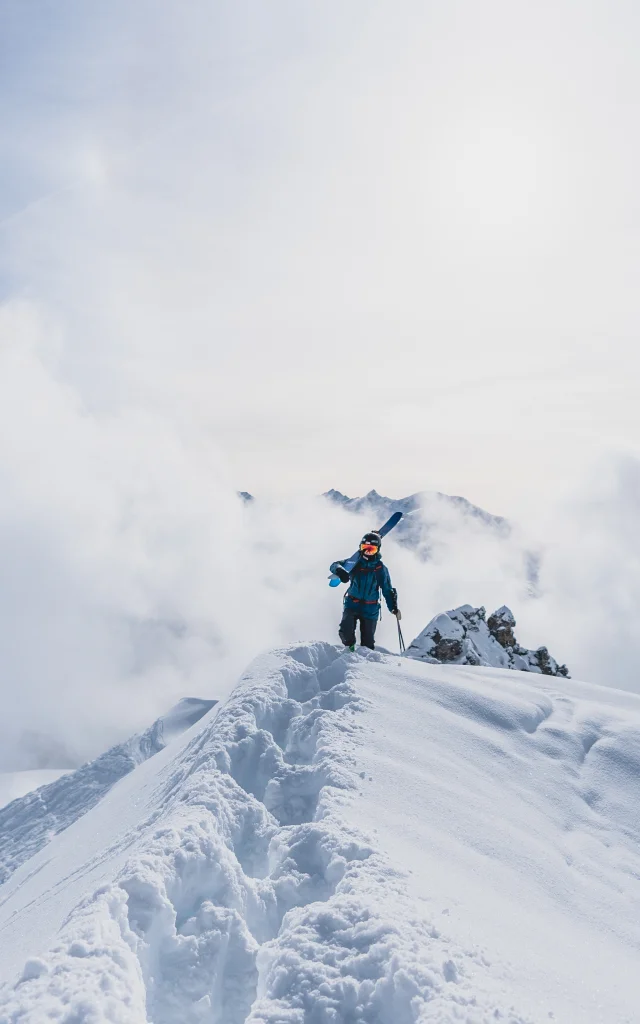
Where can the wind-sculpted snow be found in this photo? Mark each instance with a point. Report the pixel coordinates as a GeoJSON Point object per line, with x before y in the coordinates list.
{"type": "Point", "coordinates": [349, 839]}
{"type": "Point", "coordinates": [463, 636]}
{"type": "Point", "coordinates": [249, 897]}
{"type": "Point", "coordinates": [27, 824]}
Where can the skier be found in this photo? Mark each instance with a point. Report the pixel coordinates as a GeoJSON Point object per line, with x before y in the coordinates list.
{"type": "Point", "coordinates": [368, 577]}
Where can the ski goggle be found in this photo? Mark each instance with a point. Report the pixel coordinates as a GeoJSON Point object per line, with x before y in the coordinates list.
{"type": "Point", "coordinates": [368, 549]}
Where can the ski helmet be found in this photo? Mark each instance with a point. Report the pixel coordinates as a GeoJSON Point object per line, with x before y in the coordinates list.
{"type": "Point", "coordinates": [370, 541]}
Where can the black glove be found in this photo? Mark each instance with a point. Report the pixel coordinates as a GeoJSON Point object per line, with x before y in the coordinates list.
{"type": "Point", "coordinates": [342, 574]}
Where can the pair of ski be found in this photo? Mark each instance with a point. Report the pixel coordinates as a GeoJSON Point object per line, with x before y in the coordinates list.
{"type": "Point", "coordinates": [350, 563]}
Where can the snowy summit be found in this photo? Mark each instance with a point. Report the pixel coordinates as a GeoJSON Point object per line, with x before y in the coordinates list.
{"type": "Point", "coordinates": [348, 838]}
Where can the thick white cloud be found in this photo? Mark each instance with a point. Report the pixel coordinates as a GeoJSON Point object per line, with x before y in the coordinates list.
{"type": "Point", "coordinates": [295, 220]}
{"type": "Point", "coordinates": [590, 584]}
{"type": "Point", "coordinates": [284, 248]}
{"type": "Point", "coordinates": [133, 574]}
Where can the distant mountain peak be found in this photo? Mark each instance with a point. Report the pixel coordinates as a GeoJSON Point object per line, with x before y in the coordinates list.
{"type": "Point", "coordinates": [414, 531]}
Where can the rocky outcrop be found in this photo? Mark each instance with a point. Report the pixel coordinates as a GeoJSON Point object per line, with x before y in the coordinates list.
{"type": "Point", "coordinates": [501, 625]}
{"type": "Point", "coordinates": [464, 636]}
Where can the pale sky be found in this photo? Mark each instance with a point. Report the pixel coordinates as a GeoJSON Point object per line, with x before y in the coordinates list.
{"type": "Point", "coordinates": [374, 244]}
{"type": "Point", "coordinates": [288, 246]}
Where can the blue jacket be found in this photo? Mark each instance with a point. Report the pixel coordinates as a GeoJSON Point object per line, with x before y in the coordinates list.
{"type": "Point", "coordinates": [368, 577]}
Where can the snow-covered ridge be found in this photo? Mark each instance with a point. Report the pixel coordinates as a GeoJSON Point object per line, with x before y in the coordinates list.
{"type": "Point", "coordinates": [464, 636]}
{"type": "Point", "coordinates": [28, 823]}
{"type": "Point", "coordinates": [350, 838]}
{"type": "Point", "coordinates": [15, 785]}
{"type": "Point", "coordinates": [243, 893]}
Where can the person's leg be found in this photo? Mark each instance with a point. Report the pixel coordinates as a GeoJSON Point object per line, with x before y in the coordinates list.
{"type": "Point", "coordinates": [368, 632]}
{"type": "Point", "coordinates": [347, 628]}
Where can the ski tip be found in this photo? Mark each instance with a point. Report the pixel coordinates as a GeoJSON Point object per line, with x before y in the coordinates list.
{"type": "Point", "coordinates": [390, 523]}
{"type": "Point", "coordinates": [334, 583]}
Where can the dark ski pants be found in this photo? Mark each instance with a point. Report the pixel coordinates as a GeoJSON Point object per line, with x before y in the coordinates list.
{"type": "Point", "coordinates": [347, 629]}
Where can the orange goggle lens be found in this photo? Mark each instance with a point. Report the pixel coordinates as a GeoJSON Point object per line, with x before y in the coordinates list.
{"type": "Point", "coordinates": [369, 549]}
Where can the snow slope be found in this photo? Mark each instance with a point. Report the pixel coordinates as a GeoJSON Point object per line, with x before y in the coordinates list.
{"type": "Point", "coordinates": [27, 824]}
{"type": "Point", "coordinates": [13, 785]}
{"type": "Point", "coordinates": [350, 839]}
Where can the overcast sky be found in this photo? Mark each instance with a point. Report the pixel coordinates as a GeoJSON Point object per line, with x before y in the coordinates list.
{"type": "Point", "coordinates": [388, 245]}
{"type": "Point", "coordinates": [289, 246]}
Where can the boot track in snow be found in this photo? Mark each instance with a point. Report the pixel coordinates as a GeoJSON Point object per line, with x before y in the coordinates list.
{"type": "Point", "coordinates": [245, 897]}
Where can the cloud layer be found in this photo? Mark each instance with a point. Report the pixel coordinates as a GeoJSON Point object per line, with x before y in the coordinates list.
{"type": "Point", "coordinates": [239, 214]}
{"type": "Point", "coordinates": [286, 249]}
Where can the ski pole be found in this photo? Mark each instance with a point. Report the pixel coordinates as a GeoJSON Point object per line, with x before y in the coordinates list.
{"type": "Point", "coordinates": [400, 637]}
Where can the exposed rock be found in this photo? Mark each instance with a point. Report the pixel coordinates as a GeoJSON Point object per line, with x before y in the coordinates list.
{"type": "Point", "coordinates": [501, 625]}
{"type": "Point", "coordinates": [464, 636]}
